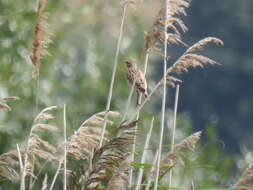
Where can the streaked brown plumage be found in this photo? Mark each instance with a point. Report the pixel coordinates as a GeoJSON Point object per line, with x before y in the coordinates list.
{"type": "Point", "coordinates": [134, 74]}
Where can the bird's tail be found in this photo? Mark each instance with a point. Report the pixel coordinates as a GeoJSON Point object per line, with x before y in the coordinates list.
{"type": "Point", "coordinates": [138, 102]}
{"type": "Point", "coordinates": [145, 94]}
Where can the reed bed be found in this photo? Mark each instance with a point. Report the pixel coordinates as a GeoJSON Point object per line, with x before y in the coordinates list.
{"type": "Point", "coordinates": [101, 153]}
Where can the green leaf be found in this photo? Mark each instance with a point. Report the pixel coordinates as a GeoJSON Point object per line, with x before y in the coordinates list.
{"type": "Point", "coordinates": [141, 165]}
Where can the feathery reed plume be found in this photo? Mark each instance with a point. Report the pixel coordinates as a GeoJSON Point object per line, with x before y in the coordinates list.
{"type": "Point", "coordinates": [12, 98]}
{"type": "Point", "coordinates": [41, 37]}
{"type": "Point", "coordinates": [108, 158]}
{"type": "Point", "coordinates": [245, 181]}
{"type": "Point", "coordinates": [97, 119]}
{"type": "Point", "coordinates": [191, 59]}
{"type": "Point", "coordinates": [172, 81]}
{"type": "Point", "coordinates": [189, 142]}
{"type": "Point", "coordinates": [8, 162]}
{"type": "Point", "coordinates": [44, 115]}
{"type": "Point", "coordinates": [202, 43]}
{"type": "Point", "coordinates": [156, 36]}
{"type": "Point", "coordinates": [37, 147]}
{"type": "Point", "coordinates": [177, 155]}
{"type": "Point", "coordinates": [9, 158]}
{"type": "Point", "coordinates": [83, 142]}
{"type": "Point", "coordinates": [4, 106]}
{"type": "Point", "coordinates": [120, 178]}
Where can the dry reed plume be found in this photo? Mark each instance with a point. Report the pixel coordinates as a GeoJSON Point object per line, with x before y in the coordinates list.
{"type": "Point", "coordinates": [86, 139]}
{"type": "Point", "coordinates": [120, 178]}
{"type": "Point", "coordinates": [154, 39]}
{"type": "Point", "coordinates": [245, 182]}
{"type": "Point", "coordinates": [109, 158]}
{"type": "Point", "coordinates": [191, 59]}
{"type": "Point", "coordinates": [36, 146]}
{"type": "Point", "coordinates": [41, 37]}
{"type": "Point", "coordinates": [8, 165]}
{"type": "Point", "coordinates": [8, 160]}
{"type": "Point", "coordinates": [5, 106]}
{"type": "Point", "coordinates": [172, 158]}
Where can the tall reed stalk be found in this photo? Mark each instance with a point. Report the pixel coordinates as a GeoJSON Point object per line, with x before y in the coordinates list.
{"type": "Point", "coordinates": [152, 170]}
{"type": "Point", "coordinates": [174, 130]}
{"type": "Point", "coordinates": [23, 176]}
{"type": "Point", "coordinates": [21, 167]}
{"type": "Point", "coordinates": [144, 155]}
{"type": "Point", "coordinates": [115, 64]}
{"type": "Point", "coordinates": [56, 175]}
{"type": "Point", "coordinates": [164, 93]}
{"type": "Point", "coordinates": [65, 147]}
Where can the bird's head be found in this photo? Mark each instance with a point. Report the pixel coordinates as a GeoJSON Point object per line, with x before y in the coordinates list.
{"type": "Point", "coordinates": [129, 63]}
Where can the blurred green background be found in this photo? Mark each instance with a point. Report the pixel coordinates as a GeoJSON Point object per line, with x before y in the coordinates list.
{"type": "Point", "coordinates": [217, 100]}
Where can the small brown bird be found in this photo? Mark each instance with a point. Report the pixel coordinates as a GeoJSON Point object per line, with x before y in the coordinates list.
{"type": "Point", "coordinates": [134, 74]}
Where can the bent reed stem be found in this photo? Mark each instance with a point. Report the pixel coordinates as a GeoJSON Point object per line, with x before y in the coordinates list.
{"type": "Point", "coordinates": [115, 64]}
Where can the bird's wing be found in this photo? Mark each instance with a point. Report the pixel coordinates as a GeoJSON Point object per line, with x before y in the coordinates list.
{"type": "Point", "coordinates": [142, 81]}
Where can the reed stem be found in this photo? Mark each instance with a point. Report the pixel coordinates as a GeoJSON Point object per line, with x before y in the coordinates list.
{"type": "Point", "coordinates": [144, 155]}
{"type": "Point", "coordinates": [65, 147]}
{"type": "Point", "coordinates": [164, 93]}
{"type": "Point", "coordinates": [174, 130]}
{"type": "Point", "coordinates": [115, 64]}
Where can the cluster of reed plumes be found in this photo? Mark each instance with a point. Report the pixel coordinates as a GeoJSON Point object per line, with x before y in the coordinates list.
{"type": "Point", "coordinates": [101, 152]}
